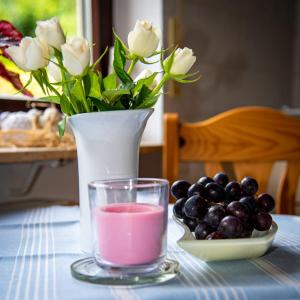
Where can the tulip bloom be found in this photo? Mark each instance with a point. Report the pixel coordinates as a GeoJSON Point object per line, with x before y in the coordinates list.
{"type": "Point", "coordinates": [50, 32]}
{"type": "Point", "coordinates": [54, 70]}
{"type": "Point", "coordinates": [184, 59]}
{"type": "Point", "coordinates": [32, 54]}
{"type": "Point", "coordinates": [76, 55]}
{"type": "Point", "coordinates": [143, 39]}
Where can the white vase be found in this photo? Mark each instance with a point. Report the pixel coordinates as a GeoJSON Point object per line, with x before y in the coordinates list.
{"type": "Point", "coordinates": [107, 148]}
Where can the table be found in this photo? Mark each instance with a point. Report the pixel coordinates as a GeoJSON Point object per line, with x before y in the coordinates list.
{"type": "Point", "coordinates": [39, 244]}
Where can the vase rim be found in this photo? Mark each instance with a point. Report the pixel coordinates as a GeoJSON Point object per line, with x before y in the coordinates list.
{"type": "Point", "coordinates": [111, 112]}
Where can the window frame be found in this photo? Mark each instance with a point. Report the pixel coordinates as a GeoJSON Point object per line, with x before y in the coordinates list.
{"type": "Point", "coordinates": [100, 12]}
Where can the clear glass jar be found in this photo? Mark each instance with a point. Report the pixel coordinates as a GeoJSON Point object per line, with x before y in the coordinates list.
{"type": "Point", "coordinates": [129, 222]}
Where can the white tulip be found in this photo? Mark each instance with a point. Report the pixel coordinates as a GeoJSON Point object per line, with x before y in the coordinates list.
{"type": "Point", "coordinates": [184, 59]}
{"type": "Point", "coordinates": [50, 32]}
{"type": "Point", "coordinates": [145, 74]}
{"type": "Point", "coordinates": [32, 54]}
{"type": "Point", "coordinates": [76, 55]}
{"type": "Point", "coordinates": [143, 39]}
{"type": "Point", "coordinates": [54, 70]}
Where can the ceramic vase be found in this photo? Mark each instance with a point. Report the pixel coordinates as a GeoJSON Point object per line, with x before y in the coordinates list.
{"type": "Point", "coordinates": [107, 148]}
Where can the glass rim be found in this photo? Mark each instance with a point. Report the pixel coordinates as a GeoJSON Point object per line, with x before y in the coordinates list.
{"type": "Point", "coordinates": [137, 183]}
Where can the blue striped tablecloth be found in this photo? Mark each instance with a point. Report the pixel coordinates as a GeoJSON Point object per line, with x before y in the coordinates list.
{"type": "Point", "coordinates": [38, 245]}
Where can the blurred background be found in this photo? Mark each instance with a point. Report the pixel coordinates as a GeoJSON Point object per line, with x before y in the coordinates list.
{"type": "Point", "coordinates": [248, 53]}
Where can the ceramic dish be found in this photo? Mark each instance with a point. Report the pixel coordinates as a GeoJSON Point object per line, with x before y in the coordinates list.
{"type": "Point", "coordinates": [227, 249]}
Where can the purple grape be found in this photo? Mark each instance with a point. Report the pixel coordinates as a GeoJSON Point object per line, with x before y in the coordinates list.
{"type": "Point", "coordinates": [238, 210]}
{"type": "Point", "coordinates": [233, 191]}
{"type": "Point", "coordinates": [216, 235]}
{"type": "Point", "coordinates": [221, 179]}
{"type": "Point", "coordinates": [190, 223]}
{"type": "Point", "coordinates": [195, 207]}
{"type": "Point", "coordinates": [231, 227]}
{"type": "Point", "coordinates": [249, 186]}
{"type": "Point", "coordinates": [178, 208]}
{"type": "Point", "coordinates": [214, 192]}
{"type": "Point", "coordinates": [205, 180]}
{"type": "Point", "coordinates": [262, 221]}
{"type": "Point", "coordinates": [265, 202]}
{"type": "Point", "coordinates": [202, 230]}
{"type": "Point", "coordinates": [179, 188]}
{"type": "Point", "coordinates": [249, 202]}
{"type": "Point", "coordinates": [214, 215]}
{"type": "Point", "coordinates": [247, 230]}
{"type": "Point", "coordinates": [196, 189]}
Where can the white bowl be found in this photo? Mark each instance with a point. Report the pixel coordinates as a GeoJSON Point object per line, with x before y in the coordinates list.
{"type": "Point", "coordinates": [227, 249]}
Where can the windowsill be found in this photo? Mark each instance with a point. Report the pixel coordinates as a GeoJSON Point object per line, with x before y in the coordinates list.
{"type": "Point", "coordinates": [17, 97]}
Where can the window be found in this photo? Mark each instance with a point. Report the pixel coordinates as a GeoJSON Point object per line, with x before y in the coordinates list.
{"type": "Point", "coordinates": [23, 14]}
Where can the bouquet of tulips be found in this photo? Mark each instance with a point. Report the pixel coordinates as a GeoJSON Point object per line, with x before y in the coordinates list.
{"type": "Point", "coordinates": [76, 84]}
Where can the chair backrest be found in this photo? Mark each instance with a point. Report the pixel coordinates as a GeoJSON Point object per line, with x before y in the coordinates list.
{"type": "Point", "coordinates": [245, 141]}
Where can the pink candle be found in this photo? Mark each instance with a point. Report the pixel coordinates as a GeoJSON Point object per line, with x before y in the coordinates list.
{"type": "Point", "coordinates": [130, 233]}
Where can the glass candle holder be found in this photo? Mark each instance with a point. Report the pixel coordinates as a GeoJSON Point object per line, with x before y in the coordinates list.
{"type": "Point", "coordinates": [129, 222]}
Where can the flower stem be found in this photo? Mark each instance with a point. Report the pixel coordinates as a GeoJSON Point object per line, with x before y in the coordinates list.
{"type": "Point", "coordinates": [165, 78]}
{"type": "Point", "coordinates": [65, 86]}
{"type": "Point", "coordinates": [85, 102]}
{"type": "Point", "coordinates": [132, 64]}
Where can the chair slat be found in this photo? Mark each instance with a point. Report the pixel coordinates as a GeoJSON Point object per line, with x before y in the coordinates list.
{"type": "Point", "coordinates": [259, 170]}
{"type": "Point", "coordinates": [258, 133]}
{"type": "Point", "coordinates": [289, 188]}
{"type": "Point", "coordinates": [211, 168]}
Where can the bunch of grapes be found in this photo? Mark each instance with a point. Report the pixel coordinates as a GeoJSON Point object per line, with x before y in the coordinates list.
{"type": "Point", "coordinates": [215, 208]}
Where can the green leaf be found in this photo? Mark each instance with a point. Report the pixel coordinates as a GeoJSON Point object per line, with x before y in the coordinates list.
{"type": "Point", "coordinates": [57, 54]}
{"type": "Point", "coordinates": [52, 99]}
{"type": "Point", "coordinates": [169, 62]}
{"type": "Point", "coordinates": [92, 85]}
{"type": "Point", "coordinates": [142, 59]}
{"type": "Point", "coordinates": [26, 85]}
{"type": "Point", "coordinates": [119, 62]}
{"type": "Point", "coordinates": [77, 91]}
{"type": "Point", "coordinates": [146, 81]}
{"type": "Point", "coordinates": [141, 96]}
{"type": "Point", "coordinates": [101, 105]}
{"type": "Point", "coordinates": [37, 75]}
{"type": "Point", "coordinates": [149, 101]}
{"type": "Point", "coordinates": [100, 58]}
{"type": "Point", "coordinates": [110, 82]}
{"type": "Point", "coordinates": [117, 37]}
{"type": "Point", "coordinates": [62, 126]}
{"type": "Point", "coordinates": [78, 106]}
{"type": "Point", "coordinates": [66, 106]}
{"type": "Point", "coordinates": [185, 80]}
{"type": "Point", "coordinates": [126, 101]}
{"type": "Point", "coordinates": [113, 95]}
{"type": "Point", "coordinates": [95, 86]}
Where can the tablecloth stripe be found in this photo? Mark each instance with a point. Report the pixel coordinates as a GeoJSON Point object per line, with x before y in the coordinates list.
{"type": "Point", "coordinates": [32, 249]}
{"type": "Point", "coordinates": [23, 228]}
{"type": "Point", "coordinates": [25, 250]}
{"type": "Point", "coordinates": [53, 261]}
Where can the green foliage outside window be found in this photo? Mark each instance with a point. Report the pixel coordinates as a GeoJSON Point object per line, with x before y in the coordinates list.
{"type": "Point", "coordinates": [23, 14]}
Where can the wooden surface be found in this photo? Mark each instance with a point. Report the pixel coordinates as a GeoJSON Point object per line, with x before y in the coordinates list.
{"type": "Point", "coordinates": [242, 142]}
{"type": "Point", "coordinates": [240, 134]}
{"type": "Point", "coordinates": [19, 155]}
{"type": "Point", "coordinates": [171, 147]}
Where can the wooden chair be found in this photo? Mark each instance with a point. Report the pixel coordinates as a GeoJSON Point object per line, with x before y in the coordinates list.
{"type": "Point", "coordinates": [245, 141]}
